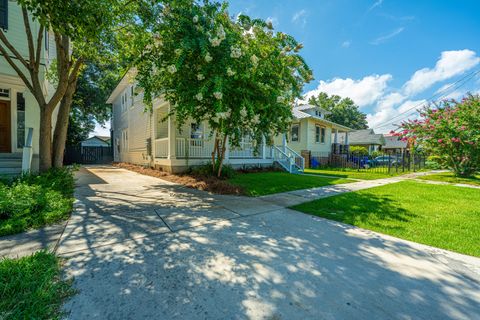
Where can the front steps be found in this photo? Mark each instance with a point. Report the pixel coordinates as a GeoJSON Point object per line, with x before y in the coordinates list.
{"type": "Point", "coordinates": [10, 164]}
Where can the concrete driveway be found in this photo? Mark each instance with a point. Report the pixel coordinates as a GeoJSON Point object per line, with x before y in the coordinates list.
{"type": "Point", "coordinates": [143, 248]}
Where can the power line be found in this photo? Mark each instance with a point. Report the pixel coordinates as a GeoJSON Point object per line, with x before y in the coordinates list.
{"type": "Point", "coordinates": [459, 83]}
{"type": "Point", "coordinates": [464, 79]}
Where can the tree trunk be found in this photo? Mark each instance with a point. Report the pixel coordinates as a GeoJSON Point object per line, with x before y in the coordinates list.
{"type": "Point", "coordinates": [221, 156]}
{"type": "Point", "coordinates": [61, 127]}
{"type": "Point", "coordinates": [45, 141]}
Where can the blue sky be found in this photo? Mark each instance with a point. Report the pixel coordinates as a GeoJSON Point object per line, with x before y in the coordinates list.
{"type": "Point", "coordinates": [370, 49]}
{"type": "Point", "coordinates": [388, 56]}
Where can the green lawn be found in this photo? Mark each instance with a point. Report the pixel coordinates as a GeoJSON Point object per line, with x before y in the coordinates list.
{"type": "Point", "coordinates": [449, 177]}
{"type": "Point", "coordinates": [352, 173]}
{"type": "Point", "coordinates": [442, 216]}
{"type": "Point", "coordinates": [262, 183]}
{"type": "Point", "coordinates": [35, 200]}
{"type": "Point", "coordinates": [32, 288]}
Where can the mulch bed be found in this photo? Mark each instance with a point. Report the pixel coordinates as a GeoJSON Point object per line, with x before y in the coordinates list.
{"type": "Point", "coordinates": [206, 183]}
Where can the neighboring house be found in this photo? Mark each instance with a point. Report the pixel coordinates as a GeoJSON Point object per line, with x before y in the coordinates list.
{"type": "Point", "coordinates": [96, 141]}
{"type": "Point", "coordinates": [365, 138]}
{"type": "Point", "coordinates": [143, 138]}
{"type": "Point", "coordinates": [310, 131]}
{"type": "Point", "coordinates": [19, 111]}
{"type": "Point", "coordinates": [394, 144]}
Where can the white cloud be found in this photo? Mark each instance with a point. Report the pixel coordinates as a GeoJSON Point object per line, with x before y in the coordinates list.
{"type": "Point", "coordinates": [376, 4]}
{"type": "Point", "coordinates": [383, 102]}
{"type": "Point", "coordinates": [300, 17]}
{"type": "Point", "coordinates": [346, 44]}
{"type": "Point", "coordinates": [450, 64]}
{"type": "Point", "coordinates": [274, 21]}
{"type": "Point", "coordinates": [363, 92]}
{"type": "Point", "coordinates": [388, 36]}
{"type": "Point", "coordinates": [388, 112]}
{"type": "Point", "coordinates": [101, 131]}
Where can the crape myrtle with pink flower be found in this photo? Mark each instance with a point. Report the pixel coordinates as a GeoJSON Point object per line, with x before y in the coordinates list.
{"type": "Point", "coordinates": [236, 73]}
{"type": "Point", "coordinates": [450, 131]}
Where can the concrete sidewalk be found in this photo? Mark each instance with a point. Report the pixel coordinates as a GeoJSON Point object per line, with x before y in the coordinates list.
{"type": "Point", "coordinates": [26, 243]}
{"type": "Point", "coordinates": [140, 247]}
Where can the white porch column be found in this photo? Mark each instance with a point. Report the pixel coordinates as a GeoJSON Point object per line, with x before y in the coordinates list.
{"type": "Point", "coordinates": [172, 139]}
{"type": "Point", "coordinates": [335, 139]}
{"type": "Point", "coordinates": [227, 150]}
{"type": "Point", "coordinates": [284, 142]}
{"type": "Point", "coordinates": [264, 148]}
{"type": "Point", "coordinates": [346, 138]}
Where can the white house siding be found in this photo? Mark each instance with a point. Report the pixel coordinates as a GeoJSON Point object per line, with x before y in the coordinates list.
{"type": "Point", "coordinates": [10, 80]}
{"type": "Point", "coordinates": [319, 146]}
{"type": "Point", "coordinates": [137, 124]}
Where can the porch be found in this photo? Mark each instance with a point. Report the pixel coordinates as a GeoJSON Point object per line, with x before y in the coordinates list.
{"type": "Point", "coordinates": [191, 148]}
{"type": "Point", "coordinates": [175, 149]}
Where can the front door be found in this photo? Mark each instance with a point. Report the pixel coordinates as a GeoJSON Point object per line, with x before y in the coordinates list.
{"type": "Point", "coordinates": [5, 127]}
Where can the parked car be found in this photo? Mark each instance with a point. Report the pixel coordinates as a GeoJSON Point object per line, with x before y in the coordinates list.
{"type": "Point", "coordinates": [385, 161]}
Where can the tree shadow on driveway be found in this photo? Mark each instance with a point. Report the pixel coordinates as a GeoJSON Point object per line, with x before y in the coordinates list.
{"type": "Point", "coordinates": [274, 264]}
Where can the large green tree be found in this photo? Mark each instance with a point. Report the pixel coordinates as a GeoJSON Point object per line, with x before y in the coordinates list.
{"type": "Point", "coordinates": [89, 106]}
{"type": "Point", "coordinates": [237, 74]}
{"type": "Point", "coordinates": [83, 30]}
{"type": "Point", "coordinates": [343, 111]}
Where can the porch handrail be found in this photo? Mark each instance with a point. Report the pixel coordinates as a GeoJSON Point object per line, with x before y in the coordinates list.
{"type": "Point", "coordinates": [300, 165]}
{"type": "Point", "coordinates": [283, 157]}
{"type": "Point", "coordinates": [27, 151]}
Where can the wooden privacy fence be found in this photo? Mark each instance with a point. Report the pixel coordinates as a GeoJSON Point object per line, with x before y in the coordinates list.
{"type": "Point", "coordinates": [88, 155]}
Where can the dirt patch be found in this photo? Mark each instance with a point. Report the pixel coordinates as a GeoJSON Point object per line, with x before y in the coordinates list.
{"type": "Point", "coordinates": [200, 182]}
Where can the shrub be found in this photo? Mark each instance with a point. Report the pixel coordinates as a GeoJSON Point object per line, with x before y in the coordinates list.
{"type": "Point", "coordinates": [58, 179]}
{"type": "Point", "coordinates": [450, 131]}
{"type": "Point", "coordinates": [35, 200]}
{"type": "Point", "coordinates": [359, 150]}
{"type": "Point", "coordinates": [206, 171]}
{"type": "Point", "coordinates": [375, 154]}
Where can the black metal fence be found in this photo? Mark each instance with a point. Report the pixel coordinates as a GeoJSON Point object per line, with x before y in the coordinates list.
{"type": "Point", "coordinates": [88, 155]}
{"type": "Point", "coordinates": [377, 162]}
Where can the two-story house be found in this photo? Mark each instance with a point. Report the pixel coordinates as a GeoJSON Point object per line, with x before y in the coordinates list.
{"type": "Point", "coordinates": [153, 139]}
{"type": "Point", "coordinates": [19, 111]}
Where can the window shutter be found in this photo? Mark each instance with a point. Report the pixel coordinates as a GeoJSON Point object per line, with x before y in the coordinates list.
{"type": "Point", "coordinates": [4, 14]}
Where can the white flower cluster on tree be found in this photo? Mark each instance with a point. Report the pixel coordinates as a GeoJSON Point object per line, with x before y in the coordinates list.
{"type": "Point", "coordinates": [208, 57]}
{"type": "Point", "coordinates": [172, 69]}
{"type": "Point", "coordinates": [235, 52]}
{"type": "Point", "coordinates": [230, 72]}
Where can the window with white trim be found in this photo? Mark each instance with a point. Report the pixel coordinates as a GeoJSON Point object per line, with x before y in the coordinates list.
{"type": "Point", "coordinates": [295, 132]}
{"type": "Point", "coordinates": [320, 133]}
{"type": "Point", "coordinates": [4, 15]}
{"type": "Point", "coordinates": [4, 93]}
{"type": "Point", "coordinates": [20, 120]}
{"type": "Point", "coordinates": [125, 140]}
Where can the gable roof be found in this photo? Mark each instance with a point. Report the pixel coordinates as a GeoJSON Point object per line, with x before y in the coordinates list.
{"type": "Point", "coordinates": [105, 139]}
{"type": "Point", "coordinates": [309, 107]}
{"type": "Point", "coordinates": [394, 142]}
{"type": "Point", "coordinates": [127, 79]}
{"type": "Point", "coordinates": [366, 136]}
{"type": "Point", "coordinates": [298, 113]}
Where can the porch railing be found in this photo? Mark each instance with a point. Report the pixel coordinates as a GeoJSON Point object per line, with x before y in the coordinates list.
{"type": "Point", "coordinates": [298, 160]}
{"type": "Point", "coordinates": [161, 148]}
{"type": "Point", "coordinates": [246, 150]}
{"type": "Point", "coordinates": [194, 148]}
{"type": "Point", "coordinates": [288, 159]}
